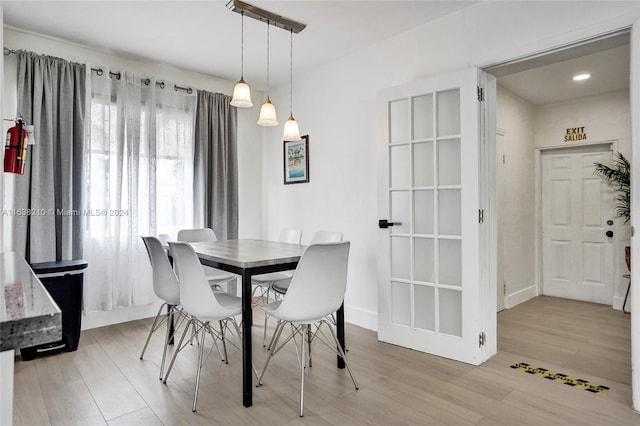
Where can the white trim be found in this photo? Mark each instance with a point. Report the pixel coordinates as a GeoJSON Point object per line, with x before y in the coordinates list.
{"type": "Point", "coordinates": [619, 300]}
{"type": "Point", "coordinates": [559, 42]}
{"type": "Point", "coordinates": [520, 296]}
{"type": "Point", "coordinates": [612, 142]}
{"type": "Point", "coordinates": [6, 385]}
{"type": "Point", "coordinates": [361, 317]}
{"type": "Point", "coordinates": [97, 319]}
{"type": "Point", "coordinates": [634, 92]}
{"type": "Point", "coordinates": [488, 246]}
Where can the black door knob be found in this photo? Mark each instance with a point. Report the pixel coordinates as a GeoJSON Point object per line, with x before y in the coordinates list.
{"type": "Point", "coordinates": [609, 234]}
{"type": "Point", "coordinates": [383, 223]}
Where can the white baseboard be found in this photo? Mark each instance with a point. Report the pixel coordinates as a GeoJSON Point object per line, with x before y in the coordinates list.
{"type": "Point", "coordinates": [520, 296]}
{"type": "Point", "coordinates": [618, 301]}
{"type": "Point", "coordinates": [357, 316]}
{"type": "Point", "coordinates": [97, 319]}
{"type": "Point", "coordinates": [360, 317]}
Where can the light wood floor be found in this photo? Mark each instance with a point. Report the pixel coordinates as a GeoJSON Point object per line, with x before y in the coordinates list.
{"type": "Point", "coordinates": [105, 382]}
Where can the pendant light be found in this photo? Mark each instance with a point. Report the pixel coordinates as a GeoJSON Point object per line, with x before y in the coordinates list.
{"type": "Point", "coordinates": [291, 129]}
{"type": "Point", "coordinates": [268, 110]}
{"type": "Point", "coordinates": [241, 92]}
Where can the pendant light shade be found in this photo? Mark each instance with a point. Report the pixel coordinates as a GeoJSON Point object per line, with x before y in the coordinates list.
{"type": "Point", "coordinates": [268, 114]}
{"type": "Point", "coordinates": [291, 129]}
{"type": "Point", "coordinates": [241, 95]}
{"type": "Point", "coordinates": [268, 110]}
{"type": "Point", "coordinates": [241, 92]}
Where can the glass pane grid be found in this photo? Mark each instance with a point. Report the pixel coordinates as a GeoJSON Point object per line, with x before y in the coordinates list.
{"type": "Point", "coordinates": [432, 158]}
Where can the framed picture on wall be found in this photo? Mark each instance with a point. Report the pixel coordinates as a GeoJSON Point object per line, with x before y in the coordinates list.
{"type": "Point", "coordinates": [296, 161]}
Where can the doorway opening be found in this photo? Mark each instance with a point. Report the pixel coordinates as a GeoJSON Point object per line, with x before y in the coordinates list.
{"type": "Point", "coordinates": [545, 117]}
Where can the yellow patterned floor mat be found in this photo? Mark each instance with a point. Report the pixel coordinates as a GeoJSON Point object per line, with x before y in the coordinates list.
{"type": "Point", "coordinates": [561, 378]}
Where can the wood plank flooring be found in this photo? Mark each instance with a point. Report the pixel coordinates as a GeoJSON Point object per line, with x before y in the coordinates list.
{"type": "Point", "coordinates": [105, 382]}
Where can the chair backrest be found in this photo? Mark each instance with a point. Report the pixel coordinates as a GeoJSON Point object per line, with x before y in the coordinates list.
{"type": "Point", "coordinates": [326, 237]}
{"type": "Point", "coordinates": [197, 235]}
{"type": "Point", "coordinates": [290, 235]}
{"type": "Point", "coordinates": [165, 282]}
{"type": "Point", "coordinates": [196, 296]}
{"type": "Point", "coordinates": [318, 284]}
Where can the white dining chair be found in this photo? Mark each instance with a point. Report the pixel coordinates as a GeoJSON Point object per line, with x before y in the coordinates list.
{"type": "Point", "coordinates": [165, 287]}
{"type": "Point", "coordinates": [280, 286]}
{"type": "Point", "coordinates": [263, 282]}
{"type": "Point", "coordinates": [216, 277]}
{"type": "Point", "coordinates": [204, 307]}
{"type": "Point", "coordinates": [316, 291]}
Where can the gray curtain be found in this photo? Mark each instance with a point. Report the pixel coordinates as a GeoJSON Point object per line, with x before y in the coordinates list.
{"type": "Point", "coordinates": [51, 96]}
{"type": "Point", "coordinates": [216, 165]}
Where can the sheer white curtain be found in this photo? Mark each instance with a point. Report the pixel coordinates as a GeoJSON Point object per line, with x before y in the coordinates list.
{"type": "Point", "coordinates": [140, 182]}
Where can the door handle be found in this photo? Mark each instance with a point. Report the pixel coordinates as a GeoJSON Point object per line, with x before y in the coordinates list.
{"type": "Point", "coordinates": [609, 234]}
{"type": "Point", "coordinates": [383, 223]}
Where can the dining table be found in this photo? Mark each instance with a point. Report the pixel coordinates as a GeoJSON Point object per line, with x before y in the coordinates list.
{"type": "Point", "coordinates": [246, 258]}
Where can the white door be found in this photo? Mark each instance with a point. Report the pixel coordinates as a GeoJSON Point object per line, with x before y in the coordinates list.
{"type": "Point", "coordinates": [577, 214]}
{"type": "Point", "coordinates": [429, 274]}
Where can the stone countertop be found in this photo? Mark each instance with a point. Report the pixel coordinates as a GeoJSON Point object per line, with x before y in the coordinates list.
{"type": "Point", "coordinates": [28, 314]}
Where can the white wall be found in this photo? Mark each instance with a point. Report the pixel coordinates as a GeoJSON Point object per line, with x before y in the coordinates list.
{"type": "Point", "coordinates": [6, 357]}
{"type": "Point", "coordinates": [249, 134]}
{"type": "Point", "coordinates": [605, 118]}
{"type": "Point", "coordinates": [516, 216]}
{"type": "Point", "coordinates": [335, 104]}
{"type": "Point", "coordinates": [528, 127]}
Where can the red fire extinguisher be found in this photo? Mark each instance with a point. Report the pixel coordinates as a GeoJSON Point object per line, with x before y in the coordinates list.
{"type": "Point", "coordinates": [15, 149]}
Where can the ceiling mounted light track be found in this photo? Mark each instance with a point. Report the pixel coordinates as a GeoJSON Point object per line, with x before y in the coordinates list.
{"type": "Point", "coordinates": [265, 16]}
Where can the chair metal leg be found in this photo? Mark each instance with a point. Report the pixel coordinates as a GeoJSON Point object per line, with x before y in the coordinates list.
{"type": "Point", "coordinates": [175, 353]}
{"type": "Point", "coordinates": [302, 367]}
{"type": "Point", "coordinates": [168, 337]}
{"type": "Point", "coordinates": [264, 331]}
{"type": "Point", "coordinates": [272, 348]}
{"type": "Point", "coordinates": [341, 353]}
{"type": "Point", "coordinates": [309, 343]}
{"type": "Point", "coordinates": [154, 327]}
{"type": "Point", "coordinates": [224, 343]}
{"type": "Point", "coordinates": [200, 357]}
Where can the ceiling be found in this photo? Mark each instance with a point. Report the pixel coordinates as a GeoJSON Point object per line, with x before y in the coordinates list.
{"type": "Point", "coordinates": [204, 36]}
{"type": "Point", "coordinates": [549, 79]}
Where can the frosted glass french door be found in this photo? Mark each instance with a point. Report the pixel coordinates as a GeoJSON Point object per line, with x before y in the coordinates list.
{"type": "Point", "coordinates": [429, 276]}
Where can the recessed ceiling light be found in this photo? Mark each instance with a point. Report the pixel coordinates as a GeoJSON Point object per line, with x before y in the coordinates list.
{"type": "Point", "coordinates": [581, 77]}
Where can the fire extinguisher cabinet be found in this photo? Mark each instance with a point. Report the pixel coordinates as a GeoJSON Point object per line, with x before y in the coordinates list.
{"type": "Point", "coordinates": [64, 282]}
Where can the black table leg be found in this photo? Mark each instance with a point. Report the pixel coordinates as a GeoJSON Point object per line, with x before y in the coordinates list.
{"type": "Point", "coordinates": [247, 320]}
{"type": "Point", "coordinates": [340, 332]}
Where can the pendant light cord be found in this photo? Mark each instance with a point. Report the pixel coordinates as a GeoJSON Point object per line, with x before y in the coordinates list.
{"type": "Point", "coordinates": [242, 47]}
{"type": "Point", "coordinates": [291, 75]}
{"type": "Point", "coordinates": [268, 25]}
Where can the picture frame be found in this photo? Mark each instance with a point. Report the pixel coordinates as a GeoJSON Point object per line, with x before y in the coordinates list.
{"type": "Point", "coordinates": [296, 161]}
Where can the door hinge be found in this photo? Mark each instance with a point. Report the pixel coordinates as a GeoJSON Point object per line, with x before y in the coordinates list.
{"type": "Point", "coordinates": [480, 94]}
{"type": "Point", "coordinates": [481, 216]}
{"type": "Point", "coordinates": [482, 339]}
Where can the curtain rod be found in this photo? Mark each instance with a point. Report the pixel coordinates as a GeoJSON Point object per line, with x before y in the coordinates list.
{"type": "Point", "coordinates": [117, 75]}
{"type": "Point", "coordinates": [146, 81]}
